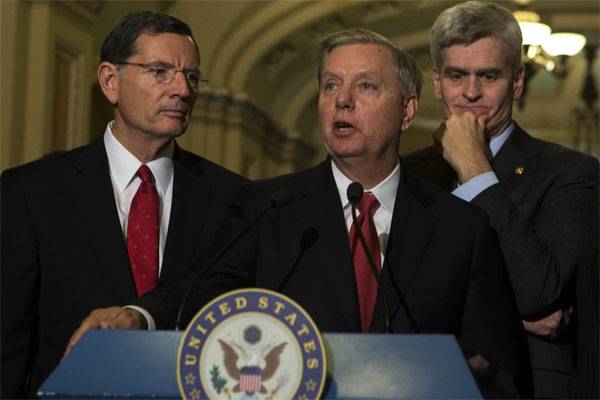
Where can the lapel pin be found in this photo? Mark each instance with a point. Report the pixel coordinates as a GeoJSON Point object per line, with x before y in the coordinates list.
{"type": "Point", "coordinates": [519, 170]}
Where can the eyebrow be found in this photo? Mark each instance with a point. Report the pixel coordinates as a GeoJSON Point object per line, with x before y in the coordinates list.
{"type": "Point", "coordinates": [360, 75]}
{"type": "Point", "coordinates": [166, 65]}
{"type": "Point", "coordinates": [367, 75]}
{"type": "Point", "coordinates": [481, 71]}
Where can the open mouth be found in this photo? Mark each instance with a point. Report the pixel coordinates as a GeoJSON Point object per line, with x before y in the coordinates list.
{"type": "Point", "coordinates": [343, 126]}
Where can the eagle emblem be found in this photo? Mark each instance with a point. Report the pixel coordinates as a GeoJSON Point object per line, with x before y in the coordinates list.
{"type": "Point", "coordinates": [250, 377]}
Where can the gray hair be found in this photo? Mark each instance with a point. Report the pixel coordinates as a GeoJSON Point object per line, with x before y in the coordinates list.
{"type": "Point", "coordinates": [465, 23]}
{"type": "Point", "coordinates": [403, 65]}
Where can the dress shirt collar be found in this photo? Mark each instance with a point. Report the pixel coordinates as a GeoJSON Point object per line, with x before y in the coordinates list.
{"type": "Point", "coordinates": [124, 165]}
{"type": "Point", "coordinates": [497, 142]}
{"type": "Point", "coordinates": [384, 191]}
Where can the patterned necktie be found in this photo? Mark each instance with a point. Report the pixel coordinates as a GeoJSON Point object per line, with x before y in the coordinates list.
{"type": "Point", "coordinates": [366, 283]}
{"type": "Point", "coordinates": [142, 233]}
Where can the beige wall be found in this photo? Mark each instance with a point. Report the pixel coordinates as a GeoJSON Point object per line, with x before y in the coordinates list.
{"type": "Point", "coordinates": [45, 79]}
{"type": "Point", "coordinates": [259, 115]}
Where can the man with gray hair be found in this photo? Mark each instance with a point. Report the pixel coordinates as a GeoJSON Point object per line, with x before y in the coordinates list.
{"type": "Point", "coordinates": [438, 259]}
{"type": "Point", "coordinates": [541, 198]}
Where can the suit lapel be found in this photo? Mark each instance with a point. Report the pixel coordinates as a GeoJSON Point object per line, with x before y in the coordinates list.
{"type": "Point", "coordinates": [321, 208]}
{"type": "Point", "coordinates": [94, 197]}
{"type": "Point", "coordinates": [191, 194]}
{"type": "Point", "coordinates": [413, 223]}
{"type": "Point", "coordinates": [518, 154]}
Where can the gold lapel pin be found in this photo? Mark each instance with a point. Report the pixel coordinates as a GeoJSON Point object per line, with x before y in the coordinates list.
{"type": "Point", "coordinates": [519, 170]}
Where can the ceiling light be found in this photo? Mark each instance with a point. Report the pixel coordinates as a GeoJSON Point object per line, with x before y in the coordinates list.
{"type": "Point", "coordinates": [563, 44]}
{"type": "Point", "coordinates": [534, 33]}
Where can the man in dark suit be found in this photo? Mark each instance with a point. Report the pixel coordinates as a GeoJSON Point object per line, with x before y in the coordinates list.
{"type": "Point", "coordinates": [541, 198]}
{"type": "Point", "coordinates": [66, 221]}
{"type": "Point", "coordinates": [442, 268]}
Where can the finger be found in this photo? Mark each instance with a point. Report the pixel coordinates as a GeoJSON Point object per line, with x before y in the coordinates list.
{"type": "Point", "coordinates": [74, 339]}
{"type": "Point", "coordinates": [105, 324]}
{"type": "Point", "coordinates": [557, 317]}
{"type": "Point", "coordinates": [93, 321]}
{"type": "Point", "coordinates": [130, 319]}
{"type": "Point", "coordinates": [124, 320]}
{"type": "Point", "coordinates": [481, 123]}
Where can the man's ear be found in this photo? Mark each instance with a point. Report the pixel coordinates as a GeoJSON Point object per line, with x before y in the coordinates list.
{"type": "Point", "coordinates": [108, 78]}
{"type": "Point", "coordinates": [437, 84]}
{"type": "Point", "coordinates": [410, 110]}
{"type": "Point", "coordinates": [519, 83]}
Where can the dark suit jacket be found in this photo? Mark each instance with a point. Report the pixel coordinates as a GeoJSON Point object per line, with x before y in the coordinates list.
{"type": "Point", "coordinates": [63, 251]}
{"type": "Point", "coordinates": [547, 222]}
{"type": "Point", "coordinates": [442, 257]}
{"type": "Point", "coordinates": [587, 385]}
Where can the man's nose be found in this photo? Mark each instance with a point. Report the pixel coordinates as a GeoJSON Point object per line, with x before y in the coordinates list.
{"type": "Point", "coordinates": [180, 85]}
{"type": "Point", "coordinates": [344, 98]}
{"type": "Point", "coordinates": [472, 88]}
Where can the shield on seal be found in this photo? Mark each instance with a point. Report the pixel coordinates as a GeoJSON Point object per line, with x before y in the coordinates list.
{"type": "Point", "coordinates": [250, 379]}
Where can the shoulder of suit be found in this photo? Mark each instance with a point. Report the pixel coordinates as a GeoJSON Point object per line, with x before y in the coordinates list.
{"type": "Point", "coordinates": [292, 179]}
{"type": "Point", "coordinates": [422, 155]}
{"type": "Point", "coordinates": [53, 164]}
{"type": "Point", "coordinates": [560, 156]}
{"type": "Point", "coordinates": [298, 182]}
{"type": "Point", "coordinates": [202, 165]}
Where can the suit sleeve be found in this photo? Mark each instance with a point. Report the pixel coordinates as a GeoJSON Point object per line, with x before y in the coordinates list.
{"type": "Point", "coordinates": [542, 252]}
{"type": "Point", "coordinates": [491, 326]}
{"type": "Point", "coordinates": [20, 277]}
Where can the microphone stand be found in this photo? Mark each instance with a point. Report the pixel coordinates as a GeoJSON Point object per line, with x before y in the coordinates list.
{"type": "Point", "coordinates": [279, 198]}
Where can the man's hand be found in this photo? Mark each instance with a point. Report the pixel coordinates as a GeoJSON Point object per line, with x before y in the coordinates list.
{"type": "Point", "coordinates": [464, 145]}
{"type": "Point", "coordinates": [479, 364]}
{"type": "Point", "coordinates": [108, 318]}
{"type": "Point", "coordinates": [547, 326]}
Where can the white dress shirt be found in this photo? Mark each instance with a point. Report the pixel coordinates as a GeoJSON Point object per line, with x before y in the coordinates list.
{"type": "Point", "coordinates": [123, 167]}
{"type": "Point", "coordinates": [384, 192]}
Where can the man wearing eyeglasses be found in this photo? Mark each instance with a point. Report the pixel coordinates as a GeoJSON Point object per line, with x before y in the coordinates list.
{"type": "Point", "coordinates": [103, 224]}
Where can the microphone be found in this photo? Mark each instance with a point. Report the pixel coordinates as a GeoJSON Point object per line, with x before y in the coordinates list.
{"type": "Point", "coordinates": [279, 199]}
{"type": "Point", "coordinates": [355, 192]}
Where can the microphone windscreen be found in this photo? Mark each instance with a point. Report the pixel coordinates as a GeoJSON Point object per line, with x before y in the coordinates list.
{"type": "Point", "coordinates": [354, 192]}
{"type": "Point", "coordinates": [281, 197]}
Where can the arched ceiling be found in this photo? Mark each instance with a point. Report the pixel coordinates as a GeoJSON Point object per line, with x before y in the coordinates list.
{"type": "Point", "coordinates": [263, 50]}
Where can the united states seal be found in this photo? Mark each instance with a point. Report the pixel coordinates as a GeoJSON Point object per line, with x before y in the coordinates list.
{"type": "Point", "coordinates": [251, 344]}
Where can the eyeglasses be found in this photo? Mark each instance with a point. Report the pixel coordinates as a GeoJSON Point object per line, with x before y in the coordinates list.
{"type": "Point", "coordinates": [165, 73]}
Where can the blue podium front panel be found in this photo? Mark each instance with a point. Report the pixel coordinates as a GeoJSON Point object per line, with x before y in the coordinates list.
{"type": "Point", "coordinates": [117, 364]}
{"type": "Point", "coordinates": [398, 366]}
{"type": "Point", "coordinates": [136, 364]}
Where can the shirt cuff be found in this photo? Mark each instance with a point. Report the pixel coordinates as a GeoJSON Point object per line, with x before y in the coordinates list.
{"type": "Point", "coordinates": [147, 316]}
{"type": "Point", "coordinates": [476, 185]}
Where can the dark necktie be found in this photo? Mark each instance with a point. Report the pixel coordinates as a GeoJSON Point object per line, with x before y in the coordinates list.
{"type": "Point", "coordinates": [142, 233]}
{"type": "Point", "coordinates": [366, 284]}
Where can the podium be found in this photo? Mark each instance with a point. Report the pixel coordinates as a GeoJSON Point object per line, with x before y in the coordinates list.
{"type": "Point", "coordinates": [142, 364]}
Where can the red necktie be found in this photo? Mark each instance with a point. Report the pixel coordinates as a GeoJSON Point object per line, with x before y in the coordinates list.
{"type": "Point", "coordinates": [366, 284]}
{"type": "Point", "coordinates": [142, 233]}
